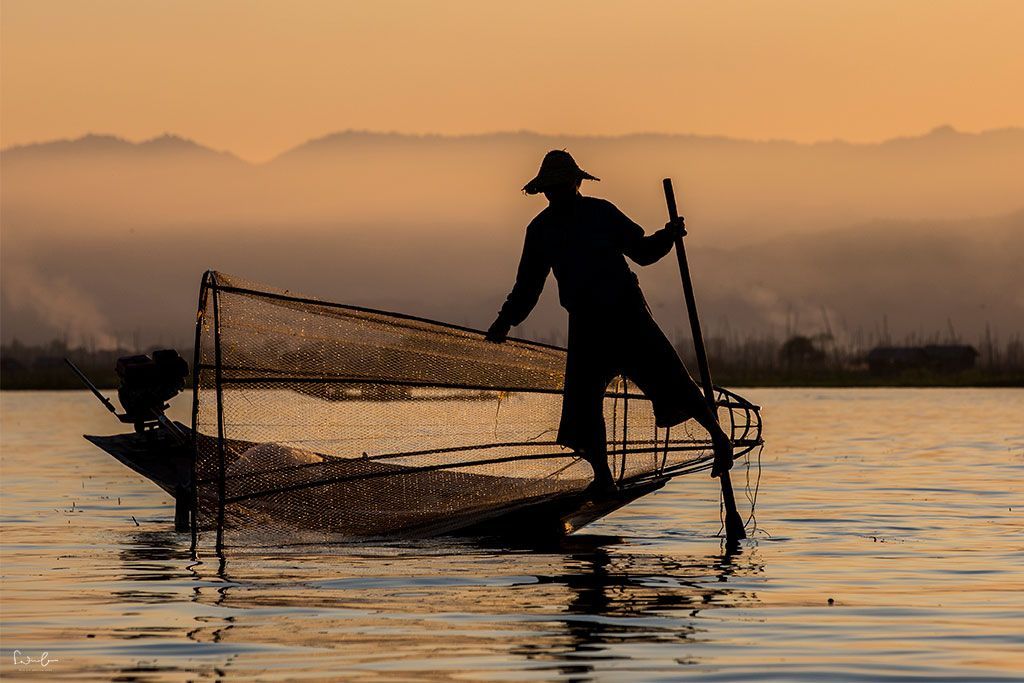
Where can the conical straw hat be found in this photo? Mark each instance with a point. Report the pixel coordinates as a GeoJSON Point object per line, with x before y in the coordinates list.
{"type": "Point", "coordinates": [558, 167]}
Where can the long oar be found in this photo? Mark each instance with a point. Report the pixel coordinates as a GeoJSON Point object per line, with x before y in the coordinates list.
{"type": "Point", "coordinates": [733, 522]}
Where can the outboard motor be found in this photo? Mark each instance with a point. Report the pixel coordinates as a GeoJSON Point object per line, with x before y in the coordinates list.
{"type": "Point", "coordinates": [146, 386]}
{"type": "Point", "coordinates": [147, 383]}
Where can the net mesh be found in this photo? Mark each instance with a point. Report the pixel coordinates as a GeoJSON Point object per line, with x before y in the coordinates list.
{"type": "Point", "coordinates": [315, 416]}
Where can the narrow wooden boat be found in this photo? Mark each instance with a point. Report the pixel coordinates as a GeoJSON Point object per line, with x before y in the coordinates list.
{"type": "Point", "coordinates": [316, 417]}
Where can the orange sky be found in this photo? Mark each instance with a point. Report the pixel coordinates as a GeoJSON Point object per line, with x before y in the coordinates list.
{"type": "Point", "coordinates": [259, 77]}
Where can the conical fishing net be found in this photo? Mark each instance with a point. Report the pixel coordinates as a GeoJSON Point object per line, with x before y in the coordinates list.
{"type": "Point", "coordinates": [311, 415]}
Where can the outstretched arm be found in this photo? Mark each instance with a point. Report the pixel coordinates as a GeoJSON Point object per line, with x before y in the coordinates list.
{"type": "Point", "coordinates": [534, 267]}
{"type": "Point", "coordinates": [645, 249]}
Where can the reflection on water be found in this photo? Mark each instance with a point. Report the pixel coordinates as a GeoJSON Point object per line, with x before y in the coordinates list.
{"type": "Point", "coordinates": [546, 609]}
{"type": "Point", "coordinates": [910, 521]}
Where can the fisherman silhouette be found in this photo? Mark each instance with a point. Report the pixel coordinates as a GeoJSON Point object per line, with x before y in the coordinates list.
{"type": "Point", "coordinates": [584, 240]}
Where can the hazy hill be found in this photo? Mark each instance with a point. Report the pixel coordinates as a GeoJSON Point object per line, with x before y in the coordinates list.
{"type": "Point", "coordinates": [94, 148]}
{"type": "Point", "coordinates": [103, 235]}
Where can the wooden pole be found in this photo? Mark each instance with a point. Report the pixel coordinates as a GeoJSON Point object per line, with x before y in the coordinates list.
{"type": "Point", "coordinates": [733, 522]}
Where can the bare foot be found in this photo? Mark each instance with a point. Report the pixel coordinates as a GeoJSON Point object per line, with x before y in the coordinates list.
{"type": "Point", "coordinates": [600, 489]}
{"type": "Point", "coordinates": [603, 485]}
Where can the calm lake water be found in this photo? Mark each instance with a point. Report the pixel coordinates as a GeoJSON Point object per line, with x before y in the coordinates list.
{"type": "Point", "coordinates": [905, 507]}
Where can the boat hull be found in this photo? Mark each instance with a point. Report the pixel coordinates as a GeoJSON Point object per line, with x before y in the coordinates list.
{"type": "Point", "coordinates": [160, 457]}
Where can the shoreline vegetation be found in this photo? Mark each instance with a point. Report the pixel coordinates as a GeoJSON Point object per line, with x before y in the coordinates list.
{"type": "Point", "coordinates": [867, 361]}
{"type": "Point", "coordinates": [737, 362]}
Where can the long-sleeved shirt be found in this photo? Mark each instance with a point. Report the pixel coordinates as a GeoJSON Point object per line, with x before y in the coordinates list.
{"type": "Point", "coordinates": [584, 242]}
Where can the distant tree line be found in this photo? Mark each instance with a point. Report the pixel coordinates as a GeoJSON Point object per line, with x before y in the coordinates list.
{"type": "Point", "coordinates": [871, 360]}
{"type": "Point", "coordinates": [736, 360]}
{"type": "Point", "coordinates": [43, 367]}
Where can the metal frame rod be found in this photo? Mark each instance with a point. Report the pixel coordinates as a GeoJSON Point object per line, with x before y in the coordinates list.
{"type": "Point", "coordinates": [221, 465]}
{"type": "Point", "coordinates": [196, 369]}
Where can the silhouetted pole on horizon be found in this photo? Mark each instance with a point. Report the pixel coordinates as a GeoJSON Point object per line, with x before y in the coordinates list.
{"type": "Point", "coordinates": [733, 522]}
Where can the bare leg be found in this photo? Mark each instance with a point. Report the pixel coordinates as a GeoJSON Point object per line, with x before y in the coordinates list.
{"type": "Point", "coordinates": [603, 483]}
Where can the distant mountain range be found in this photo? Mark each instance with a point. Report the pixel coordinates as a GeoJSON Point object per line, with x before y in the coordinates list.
{"type": "Point", "coordinates": [102, 235]}
{"type": "Point", "coordinates": [736, 188]}
{"type": "Point", "coordinates": [944, 137]}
